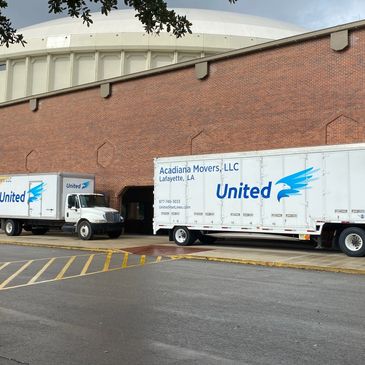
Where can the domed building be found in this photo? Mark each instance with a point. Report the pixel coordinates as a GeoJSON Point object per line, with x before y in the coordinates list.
{"type": "Point", "coordinates": [65, 52]}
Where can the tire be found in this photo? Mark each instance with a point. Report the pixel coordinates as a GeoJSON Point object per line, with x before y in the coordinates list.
{"type": "Point", "coordinates": [183, 237]}
{"type": "Point", "coordinates": [206, 239]}
{"type": "Point", "coordinates": [12, 227]}
{"type": "Point", "coordinates": [39, 231]}
{"type": "Point", "coordinates": [85, 231]}
{"type": "Point", "coordinates": [114, 234]}
{"type": "Point", "coordinates": [352, 241]}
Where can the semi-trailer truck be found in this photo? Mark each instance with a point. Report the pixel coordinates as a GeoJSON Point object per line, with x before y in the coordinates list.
{"type": "Point", "coordinates": [312, 193]}
{"type": "Point", "coordinates": [66, 201]}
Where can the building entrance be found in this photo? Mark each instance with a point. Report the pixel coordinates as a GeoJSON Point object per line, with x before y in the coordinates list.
{"type": "Point", "coordinates": [137, 209]}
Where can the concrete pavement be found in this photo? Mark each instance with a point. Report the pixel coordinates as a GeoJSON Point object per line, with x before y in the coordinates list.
{"type": "Point", "coordinates": [270, 252]}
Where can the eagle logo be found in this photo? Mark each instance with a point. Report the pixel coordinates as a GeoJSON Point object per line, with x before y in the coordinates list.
{"type": "Point", "coordinates": [297, 182]}
{"type": "Point", "coordinates": [35, 193]}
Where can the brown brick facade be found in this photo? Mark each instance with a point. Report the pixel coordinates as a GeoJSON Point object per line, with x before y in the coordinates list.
{"type": "Point", "coordinates": [296, 95]}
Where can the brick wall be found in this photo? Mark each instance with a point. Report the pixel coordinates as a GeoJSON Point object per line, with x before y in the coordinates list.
{"type": "Point", "coordinates": [298, 95]}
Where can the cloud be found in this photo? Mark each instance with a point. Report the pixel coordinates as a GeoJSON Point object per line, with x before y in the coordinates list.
{"type": "Point", "coordinates": [312, 14]}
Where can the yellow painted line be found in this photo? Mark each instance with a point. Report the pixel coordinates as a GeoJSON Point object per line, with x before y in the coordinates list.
{"type": "Point", "coordinates": [88, 262]}
{"type": "Point", "coordinates": [125, 260]}
{"type": "Point", "coordinates": [5, 264]}
{"type": "Point", "coordinates": [48, 258]}
{"type": "Point", "coordinates": [159, 258]}
{"type": "Point", "coordinates": [142, 260]}
{"type": "Point", "coordinates": [50, 245]}
{"type": "Point", "coordinates": [107, 261]}
{"type": "Point", "coordinates": [10, 278]}
{"type": "Point", "coordinates": [41, 271]}
{"type": "Point", "coordinates": [273, 264]}
{"type": "Point", "coordinates": [64, 269]}
{"type": "Point", "coordinates": [87, 274]}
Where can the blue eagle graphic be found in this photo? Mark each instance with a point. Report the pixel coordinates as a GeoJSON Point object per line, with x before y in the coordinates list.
{"type": "Point", "coordinates": [85, 184]}
{"type": "Point", "coordinates": [296, 182]}
{"type": "Point", "coordinates": [36, 192]}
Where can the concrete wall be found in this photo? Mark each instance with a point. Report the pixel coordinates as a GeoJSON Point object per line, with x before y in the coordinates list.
{"type": "Point", "coordinates": [302, 94]}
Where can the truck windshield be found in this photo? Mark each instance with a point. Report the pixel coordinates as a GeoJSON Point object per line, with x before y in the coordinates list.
{"type": "Point", "coordinates": [91, 201]}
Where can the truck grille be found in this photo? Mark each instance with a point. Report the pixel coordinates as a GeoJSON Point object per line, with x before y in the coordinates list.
{"type": "Point", "coordinates": [112, 217]}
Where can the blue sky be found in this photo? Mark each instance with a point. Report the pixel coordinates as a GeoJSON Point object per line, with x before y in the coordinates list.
{"type": "Point", "coordinates": [311, 14]}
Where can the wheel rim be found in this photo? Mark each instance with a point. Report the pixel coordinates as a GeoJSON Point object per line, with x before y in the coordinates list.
{"type": "Point", "coordinates": [181, 235]}
{"type": "Point", "coordinates": [84, 230]}
{"type": "Point", "coordinates": [9, 227]}
{"type": "Point", "coordinates": [354, 242]}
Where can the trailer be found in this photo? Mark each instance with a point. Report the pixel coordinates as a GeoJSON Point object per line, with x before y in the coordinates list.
{"type": "Point", "coordinates": [311, 193]}
{"type": "Point", "coordinates": [66, 201]}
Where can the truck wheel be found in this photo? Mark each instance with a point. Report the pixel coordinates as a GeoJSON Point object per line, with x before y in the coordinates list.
{"type": "Point", "coordinates": [114, 234]}
{"type": "Point", "coordinates": [183, 237]}
{"type": "Point", "coordinates": [352, 241]}
{"type": "Point", "coordinates": [12, 227]}
{"type": "Point", "coordinates": [85, 231]}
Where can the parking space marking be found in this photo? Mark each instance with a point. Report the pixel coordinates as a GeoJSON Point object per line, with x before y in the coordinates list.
{"type": "Point", "coordinates": [41, 271]}
{"type": "Point", "coordinates": [10, 278]}
{"type": "Point", "coordinates": [65, 268]}
{"type": "Point", "coordinates": [87, 264]}
{"type": "Point", "coordinates": [107, 261]}
{"type": "Point", "coordinates": [5, 264]}
{"type": "Point", "coordinates": [125, 260]}
{"type": "Point", "coordinates": [36, 272]}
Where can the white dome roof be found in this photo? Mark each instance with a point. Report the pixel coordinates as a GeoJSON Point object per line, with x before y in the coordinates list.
{"type": "Point", "coordinates": [204, 21]}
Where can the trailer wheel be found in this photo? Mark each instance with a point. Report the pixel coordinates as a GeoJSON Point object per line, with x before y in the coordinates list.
{"type": "Point", "coordinates": [183, 237]}
{"type": "Point", "coordinates": [12, 227]}
{"type": "Point", "coordinates": [85, 231]}
{"type": "Point", "coordinates": [352, 241]}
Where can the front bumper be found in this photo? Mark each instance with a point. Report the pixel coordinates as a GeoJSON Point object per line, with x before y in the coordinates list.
{"type": "Point", "coordinates": [99, 228]}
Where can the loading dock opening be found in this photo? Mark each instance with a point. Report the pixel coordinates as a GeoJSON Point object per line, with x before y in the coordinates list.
{"type": "Point", "coordinates": [137, 209]}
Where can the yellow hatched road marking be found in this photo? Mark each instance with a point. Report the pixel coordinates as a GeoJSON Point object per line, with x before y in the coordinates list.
{"type": "Point", "coordinates": [143, 260]}
{"type": "Point", "coordinates": [10, 278]}
{"type": "Point", "coordinates": [87, 274]}
{"type": "Point", "coordinates": [41, 271]}
{"type": "Point", "coordinates": [88, 262]}
{"type": "Point", "coordinates": [4, 265]}
{"type": "Point", "coordinates": [159, 258]}
{"type": "Point", "coordinates": [107, 261]}
{"type": "Point", "coordinates": [125, 261]}
{"type": "Point", "coordinates": [68, 264]}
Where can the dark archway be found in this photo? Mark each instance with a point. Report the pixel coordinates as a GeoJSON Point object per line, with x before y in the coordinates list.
{"type": "Point", "coordinates": [137, 209]}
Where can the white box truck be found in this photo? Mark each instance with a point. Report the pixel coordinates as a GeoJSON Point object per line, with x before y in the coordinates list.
{"type": "Point", "coordinates": [313, 193]}
{"type": "Point", "coordinates": [39, 202]}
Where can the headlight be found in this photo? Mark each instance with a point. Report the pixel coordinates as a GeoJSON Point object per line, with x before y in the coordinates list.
{"type": "Point", "coordinates": [100, 220]}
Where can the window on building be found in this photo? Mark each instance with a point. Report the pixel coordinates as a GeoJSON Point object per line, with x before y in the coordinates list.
{"type": "Point", "coordinates": [2, 66]}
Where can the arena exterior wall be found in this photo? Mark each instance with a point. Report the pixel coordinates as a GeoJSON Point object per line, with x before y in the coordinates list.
{"type": "Point", "coordinates": [298, 92]}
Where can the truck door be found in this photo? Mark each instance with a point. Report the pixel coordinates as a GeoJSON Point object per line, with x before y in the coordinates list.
{"type": "Point", "coordinates": [72, 209]}
{"type": "Point", "coordinates": [35, 198]}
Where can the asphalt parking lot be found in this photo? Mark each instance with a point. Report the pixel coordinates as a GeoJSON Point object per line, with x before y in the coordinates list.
{"type": "Point", "coordinates": [153, 310]}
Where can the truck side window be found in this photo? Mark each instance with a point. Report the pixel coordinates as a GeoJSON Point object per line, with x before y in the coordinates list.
{"type": "Point", "coordinates": [73, 201]}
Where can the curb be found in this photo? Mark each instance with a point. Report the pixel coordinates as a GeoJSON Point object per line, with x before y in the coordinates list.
{"type": "Point", "coordinates": [201, 258]}
{"type": "Point", "coordinates": [272, 264]}
{"type": "Point", "coordinates": [78, 248]}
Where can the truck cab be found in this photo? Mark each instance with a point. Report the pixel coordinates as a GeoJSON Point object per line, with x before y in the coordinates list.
{"type": "Point", "coordinates": [88, 214]}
